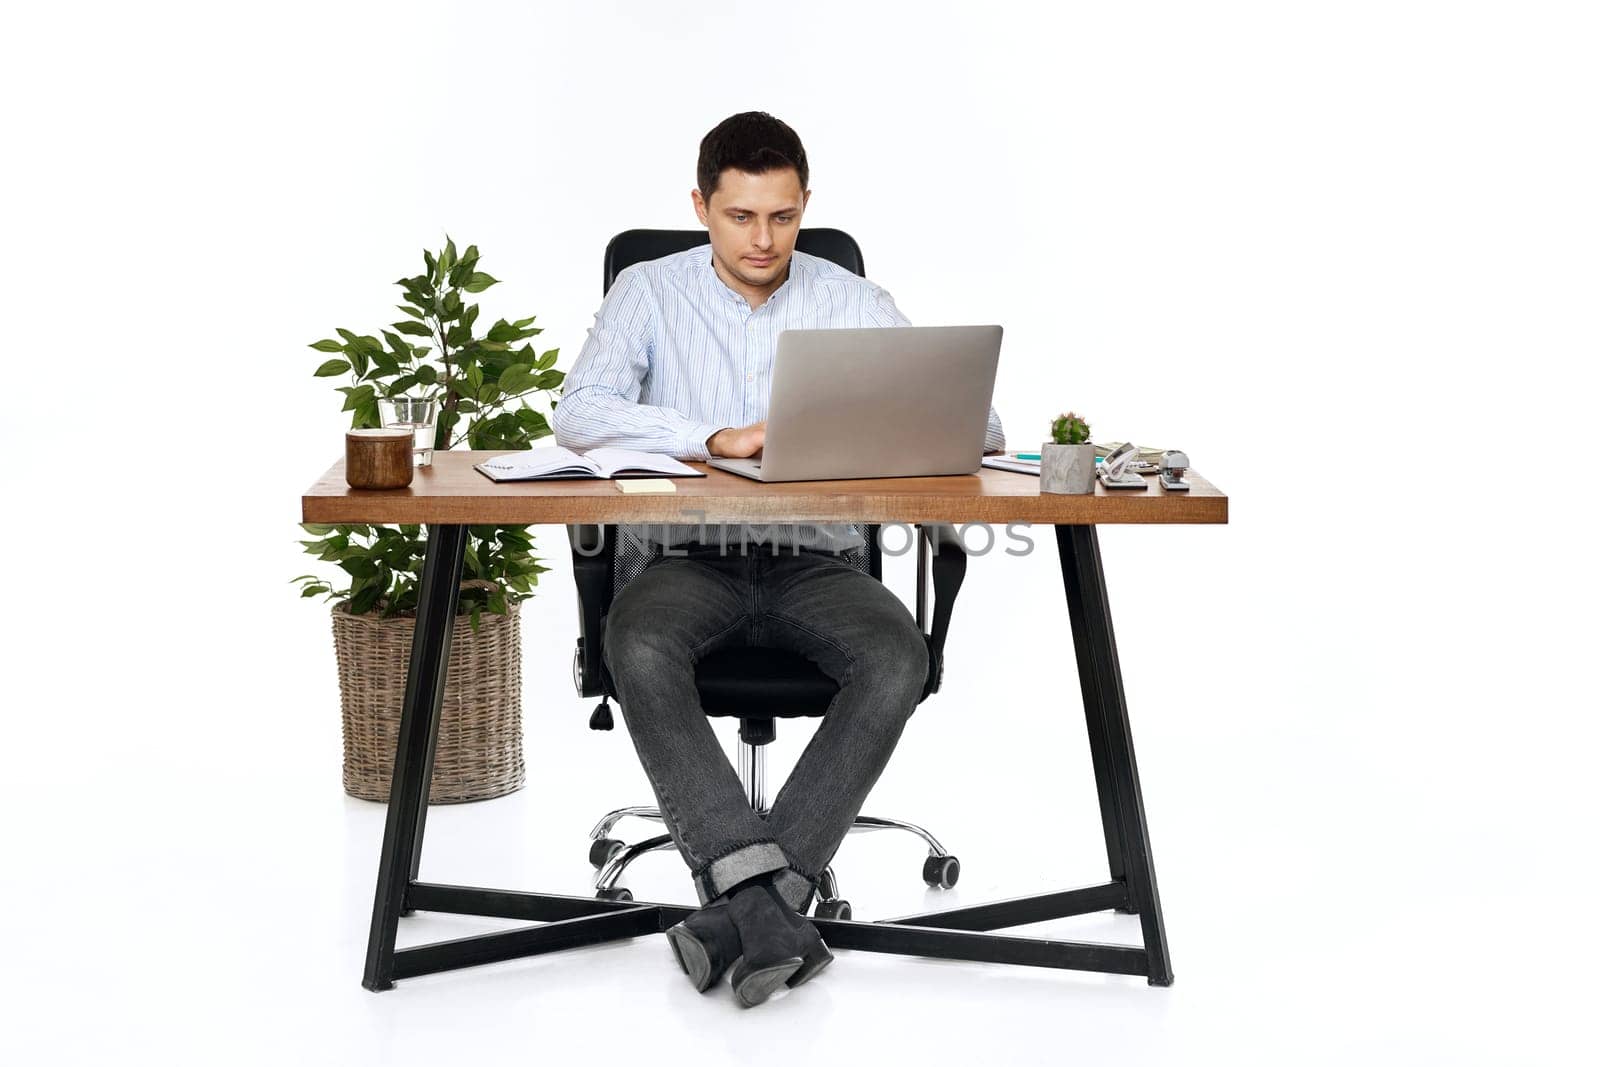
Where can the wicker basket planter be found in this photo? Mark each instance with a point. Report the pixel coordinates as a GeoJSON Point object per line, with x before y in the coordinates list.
{"type": "Point", "coordinates": [479, 753]}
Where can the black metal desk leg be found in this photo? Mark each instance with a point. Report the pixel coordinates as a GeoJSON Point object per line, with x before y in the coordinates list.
{"type": "Point", "coordinates": [1110, 738]}
{"type": "Point", "coordinates": [1089, 683]}
{"type": "Point", "coordinates": [413, 761]}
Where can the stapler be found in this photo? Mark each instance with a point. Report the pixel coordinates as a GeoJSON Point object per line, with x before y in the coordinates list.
{"type": "Point", "coordinates": [1174, 465]}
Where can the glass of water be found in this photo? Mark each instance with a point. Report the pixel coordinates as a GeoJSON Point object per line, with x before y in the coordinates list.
{"type": "Point", "coordinates": [417, 414]}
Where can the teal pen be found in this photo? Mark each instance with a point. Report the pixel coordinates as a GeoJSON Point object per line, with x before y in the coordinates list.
{"type": "Point", "coordinates": [1027, 455]}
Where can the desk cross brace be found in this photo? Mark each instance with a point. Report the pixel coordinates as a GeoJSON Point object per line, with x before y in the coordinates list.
{"type": "Point", "coordinates": [570, 921]}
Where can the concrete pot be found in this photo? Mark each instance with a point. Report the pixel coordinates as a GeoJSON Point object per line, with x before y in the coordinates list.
{"type": "Point", "coordinates": [1066, 468]}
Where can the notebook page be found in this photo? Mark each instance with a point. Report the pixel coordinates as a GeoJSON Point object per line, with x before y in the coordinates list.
{"type": "Point", "coordinates": [539, 461]}
{"type": "Point", "coordinates": [610, 460]}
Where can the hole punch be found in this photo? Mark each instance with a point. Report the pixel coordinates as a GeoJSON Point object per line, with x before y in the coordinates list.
{"type": "Point", "coordinates": [1116, 471]}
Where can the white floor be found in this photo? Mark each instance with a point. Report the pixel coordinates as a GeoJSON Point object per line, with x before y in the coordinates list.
{"type": "Point", "coordinates": [1343, 879]}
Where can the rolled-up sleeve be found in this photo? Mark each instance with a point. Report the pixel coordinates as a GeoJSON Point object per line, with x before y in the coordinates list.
{"type": "Point", "coordinates": [599, 403]}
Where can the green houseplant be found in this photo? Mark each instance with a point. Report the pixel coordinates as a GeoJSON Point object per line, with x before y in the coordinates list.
{"type": "Point", "coordinates": [1066, 461]}
{"type": "Point", "coordinates": [481, 383]}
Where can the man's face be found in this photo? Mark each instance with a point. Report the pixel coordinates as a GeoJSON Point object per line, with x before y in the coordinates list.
{"type": "Point", "coordinates": [754, 219]}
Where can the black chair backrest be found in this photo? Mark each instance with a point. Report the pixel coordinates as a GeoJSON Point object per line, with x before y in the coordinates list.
{"type": "Point", "coordinates": [638, 246]}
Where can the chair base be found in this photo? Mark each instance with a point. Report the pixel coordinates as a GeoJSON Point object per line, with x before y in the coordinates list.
{"type": "Point", "coordinates": [940, 869]}
{"type": "Point", "coordinates": [619, 855]}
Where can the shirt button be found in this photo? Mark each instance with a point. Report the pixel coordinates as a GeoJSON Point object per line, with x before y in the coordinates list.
{"type": "Point", "coordinates": [749, 377]}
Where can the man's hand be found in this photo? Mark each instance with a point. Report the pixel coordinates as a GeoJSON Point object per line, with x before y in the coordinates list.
{"type": "Point", "coordinates": [738, 443]}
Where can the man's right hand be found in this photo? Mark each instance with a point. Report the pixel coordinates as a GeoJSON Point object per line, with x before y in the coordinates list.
{"type": "Point", "coordinates": [740, 443]}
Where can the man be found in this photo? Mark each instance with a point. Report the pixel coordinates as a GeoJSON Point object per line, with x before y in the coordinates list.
{"type": "Point", "coordinates": [679, 361]}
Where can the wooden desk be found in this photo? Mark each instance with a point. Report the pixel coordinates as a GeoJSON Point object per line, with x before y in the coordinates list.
{"type": "Point", "coordinates": [450, 495]}
{"type": "Point", "coordinates": [452, 492]}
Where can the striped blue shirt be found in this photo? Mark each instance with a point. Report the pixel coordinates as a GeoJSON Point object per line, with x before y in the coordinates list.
{"type": "Point", "coordinates": [675, 355]}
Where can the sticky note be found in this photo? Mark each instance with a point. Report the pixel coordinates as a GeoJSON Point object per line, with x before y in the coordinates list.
{"type": "Point", "coordinates": [646, 485]}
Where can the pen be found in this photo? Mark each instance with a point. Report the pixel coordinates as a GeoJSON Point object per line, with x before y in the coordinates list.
{"type": "Point", "coordinates": [1026, 455]}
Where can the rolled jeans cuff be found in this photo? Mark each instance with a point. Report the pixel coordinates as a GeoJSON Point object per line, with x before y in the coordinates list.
{"type": "Point", "coordinates": [747, 861]}
{"type": "Point", "coordinates": [795, 889]}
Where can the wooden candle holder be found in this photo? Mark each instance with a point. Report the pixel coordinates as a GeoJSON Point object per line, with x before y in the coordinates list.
{"type": "Point", "coordinates": [378, 458]}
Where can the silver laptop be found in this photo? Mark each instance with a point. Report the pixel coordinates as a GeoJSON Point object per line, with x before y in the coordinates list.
{"type": "Point", "coordinates": [896, 402]}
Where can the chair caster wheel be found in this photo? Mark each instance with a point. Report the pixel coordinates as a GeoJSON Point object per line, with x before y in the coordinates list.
{"type": "Point", "coordinates": [833, 909]}
{"type": "Point", "coordinates": [602, 850]}
{"type": "Point", "coordinates": [941, 872]}
{"type": "Point", "coordinates": [617, 893]}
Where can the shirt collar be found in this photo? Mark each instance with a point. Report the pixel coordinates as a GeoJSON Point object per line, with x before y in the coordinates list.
{"type": "Point", "coordinates": [721, 288]}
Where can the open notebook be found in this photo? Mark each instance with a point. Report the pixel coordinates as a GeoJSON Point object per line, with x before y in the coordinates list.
{"type": "Point", "coordinates": [537, 464]}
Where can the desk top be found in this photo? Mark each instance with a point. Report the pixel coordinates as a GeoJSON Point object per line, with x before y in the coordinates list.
{"type": "Point", "coordinates": [451, 492]}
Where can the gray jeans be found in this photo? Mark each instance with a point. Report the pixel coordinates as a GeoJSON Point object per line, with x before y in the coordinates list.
{"type": "Point", "coordinates": [682, 608]}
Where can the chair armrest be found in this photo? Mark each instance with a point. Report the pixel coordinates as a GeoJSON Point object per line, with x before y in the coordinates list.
{"type": "Point", "coordinates": [949, 571]}
{"type": "Point", "coordinates": [593, 548]}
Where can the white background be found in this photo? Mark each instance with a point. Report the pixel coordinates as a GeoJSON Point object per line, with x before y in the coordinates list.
{"type": "Point", "coordinates": [1345, 254]}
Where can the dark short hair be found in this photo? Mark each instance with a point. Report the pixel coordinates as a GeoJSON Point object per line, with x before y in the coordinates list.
{"type": "Point", "coordinates": [751, 141]}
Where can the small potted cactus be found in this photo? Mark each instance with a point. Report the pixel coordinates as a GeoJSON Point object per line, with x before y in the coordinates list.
{"type": "Point", "coordinates": [1066, 461]}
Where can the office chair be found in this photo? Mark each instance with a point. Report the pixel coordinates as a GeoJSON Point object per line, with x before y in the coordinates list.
{"type": "Point", "coordinates": [757, 686]}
